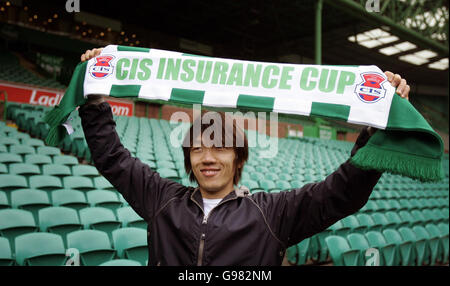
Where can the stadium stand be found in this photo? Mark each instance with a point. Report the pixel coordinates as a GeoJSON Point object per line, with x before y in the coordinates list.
{"type": "Point", "coordinates": [56, 193]}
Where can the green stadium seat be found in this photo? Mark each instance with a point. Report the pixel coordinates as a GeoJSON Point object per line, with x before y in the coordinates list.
{"type": "Point", "coordinates": [435, 234]}
{"type": "Point", "coordinates": [370, 207]}
{"type": "Point", "coordinates": [69, 198]}
{"type": "Point", "coordinates": [78, 183]}
{"type": "Point", "coordinates": [339, 229]}
{"type": "Point", "coordinates": [59, 220]}
{"type": "Point", "coordinates": [102, 183]}
{"type": "Point", "coordinates": [100, 219]}
{"type": "Point", "coordinates": [8, 142]}
{"type": "Point", "coordinates": [48, 150]}
{"type": "Point", "coordinates": [22, 149]}
{"type": "Point", "coordinates": [56, 170]}
{"type": "Point", "coordinates": [14, 222]}
{"type": "Point", "coordinates": [45, 182]}
{"type": "Point", "coordinates": [296, 184]}
{"type": "Point", "coordinates": [267, 185]}
{"type": "Point", "coordinates": [65, 160]}
{"type": "Point", "coordinates": [24, 169]}
{"type": "Point", "coordinates": [407, 217]}
{"type": "Point", "coordinates": [419, 244]}
{"type": "Point", "coordinates": [381, 222]}
{"type": "Point", "coordinates": [387, 250]}
{"type": "Point", "coordinates": [4, 203]}
{"type": "Point", "coordinates": [353, 224]}
{"type": "Point", "coordinates": [30, 199]}
{"type": "Point", "coordinates": [38, 159]}
{"type": "Point", "coordinates": [40, 249]}
{"type": "Point", "coordinates": [85, 171]}
{"type": "Point", "coordinates": [394, 205]}
{"type": "Point", "coordinates": [271, 177]}
{"type": "Point", "coordinates": [245, 176]}
{"type": "Point", "coordinates": [405, 204]}
{"type": "Point", "coordinates": [293, 252]}
{"type": "Point", "coordinates": [383, 206]}
{"type": "Point", "coordinates": [34, 142]}
{"type": "Point", "coordinates": [318, 241]}
{"type": "Point", "coordinates": [3, 169]}
{"type": "Point", "coordinates": [130, 218]}
{"type": "Point", "coordinates": [395, 221]}
{"type": "Point", "coordinates": [303, 248]}
{"type": "Point", "coordinates": [168, 173]}
{"type": "Point", "coordinates": [418, 217]}
{"type": "Point", "coordinates": [250, 184]}
{"type": "Point", "coordinates": [131, 243]}
{"type": "Point", "coordinates": [103, 198]}
{"type": "Point", "coordinates": [285, 177]}
{"type": "Point", "coordinates": [359, 242]}
{"type": "Point", "coordinates": [404, 248]}
{"type": "Point", "coordinates": [430, 216]}
{"type": "Point", "coordinates": [8, 158]}
{"type": "Point", "coordinates": [165, 165]}
{"type": "Point", "coordinates": [94, 246]}
{"type": "Point", "coordinates": [416, 204]}
{"type": "Point", "coordinates": [340, 252]}
{"type": "Point", "coordinates": [121, 262]}
{"type": "Point", "coordinates": [283, 185]}
{"type": "Point", "coordinates": [444, 229]}
{"type": "Point", "coordinates": [6, 258]}
{"type": "Point", "coordinates": [256, 176]}
{"type": "Point", "coordinates": [368, 223]}
{"type": "Point", "coordinates": [3, 149]}
{"type": "Point", "coordinates": [298, 177]}
{"type": "Point", "coordinates": [431, 244]}
{"type": "Point", "coordinates": [9, 183]}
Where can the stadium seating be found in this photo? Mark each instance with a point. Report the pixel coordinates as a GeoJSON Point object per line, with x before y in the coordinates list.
{"type": "Point", "coordinates": [387, 250]}
{"type": "Point", "coordinates": [78, 198]}
{"type": "Point", "coordinates": [130, 218]}
{"type": "Point", "coordinates": [340, 251]}
{"type": "Point", "coordinates": [51, 251]}
{"type": "Point", "coordinates": [131, 243]}
{"type": "Point", "coordinates": [121, 262]}
{"type": "Point", "coordinates": [6, 258]}
{"type": "Point", "coordinates": [59, 220]}
{"type": "Point", "coordinates": [31, 200]}
{"type": "Point", "coordinates": [69, 198]}
{"type": "Point", "coordinates": [94, 246]}
{"type": "Point", "coordinates": [99, 218]}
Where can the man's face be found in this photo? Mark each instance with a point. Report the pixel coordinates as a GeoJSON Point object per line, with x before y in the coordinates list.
{"type": "Point", "coordinates": [213, 168]}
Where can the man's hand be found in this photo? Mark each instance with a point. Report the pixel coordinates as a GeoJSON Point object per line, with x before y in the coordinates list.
{"type": "Point", "coordinates": [400, 83]}
{"type": "Point", "coordinates": [89, 54]}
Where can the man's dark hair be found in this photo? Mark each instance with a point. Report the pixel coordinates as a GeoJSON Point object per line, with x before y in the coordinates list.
{"type": "Point", "coordinates": [232, 136]}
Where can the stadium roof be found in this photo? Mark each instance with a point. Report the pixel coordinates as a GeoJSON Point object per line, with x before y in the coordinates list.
{"type": "Point", "coordinates": [284, 30]}
{"type": "Point", "coordinates": [409, 37]}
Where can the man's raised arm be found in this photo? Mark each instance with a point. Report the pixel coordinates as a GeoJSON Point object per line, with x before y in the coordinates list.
{"type": "Point", "coordinates": [142, 187]}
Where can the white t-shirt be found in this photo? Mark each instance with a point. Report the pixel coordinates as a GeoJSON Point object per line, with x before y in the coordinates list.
{"type": "Point", "coordinates": [209, 204]}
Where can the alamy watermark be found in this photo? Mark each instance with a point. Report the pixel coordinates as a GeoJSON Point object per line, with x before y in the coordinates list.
{"type": "Point", "coordinates": [73, 6]}
{"type": "Point", "coordinates": [73, 255]}
{"type": "Point", "coordinates": [372, 257]}
{"type": "Point", "coordinates": [373, 6]}
{"type": "Point", "coordinates": [212, 136]}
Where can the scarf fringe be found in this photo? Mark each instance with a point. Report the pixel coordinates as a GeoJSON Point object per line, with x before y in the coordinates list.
{"type": "Point", "coordinates": [420, 168]}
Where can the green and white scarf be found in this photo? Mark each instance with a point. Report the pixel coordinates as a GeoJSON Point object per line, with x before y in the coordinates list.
{"type": "Point", "coordinates": [405, 144]}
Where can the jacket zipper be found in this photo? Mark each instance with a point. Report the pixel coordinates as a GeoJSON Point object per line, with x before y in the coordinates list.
{"type": "Point", "coordinates": [201, 248]}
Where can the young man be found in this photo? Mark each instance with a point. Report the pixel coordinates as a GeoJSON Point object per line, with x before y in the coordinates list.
{"type": "Point", "coordinates": [218, 223]}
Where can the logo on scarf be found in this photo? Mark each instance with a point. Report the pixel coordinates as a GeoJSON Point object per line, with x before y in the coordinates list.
{"type": "Point", "coordinates": [102, 67]}
{"type": "Point", "coordinates": [370, 89]}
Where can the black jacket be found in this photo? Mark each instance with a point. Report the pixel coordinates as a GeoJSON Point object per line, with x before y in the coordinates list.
{"type": "Point", "coordinates": [243, 229]}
